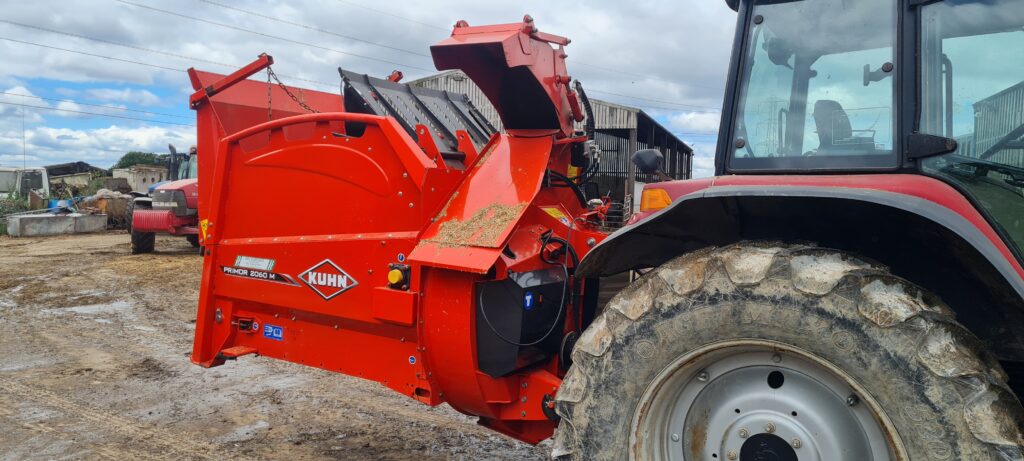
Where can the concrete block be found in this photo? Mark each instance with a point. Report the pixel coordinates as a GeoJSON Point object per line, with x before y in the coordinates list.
{"type": "Point", "coordinates": [87, 223]}
{"type": "Point", "coordinates": [48, 224]}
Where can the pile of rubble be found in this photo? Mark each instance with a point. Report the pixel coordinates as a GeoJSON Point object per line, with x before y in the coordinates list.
{"type": "Point", "coordinates": [113, 204]}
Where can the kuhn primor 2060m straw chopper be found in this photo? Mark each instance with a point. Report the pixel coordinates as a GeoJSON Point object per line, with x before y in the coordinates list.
{"type": "Point", "coordinates": [420, 223]}
{"type": "Point", "coordinates": [848, 287]}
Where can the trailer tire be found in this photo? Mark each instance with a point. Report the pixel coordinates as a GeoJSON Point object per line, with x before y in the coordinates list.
{"type": "Point", "coordinates": [193, 239]}
{"type": "Point", "coordinates": [142, 242]}
{"type": "Point", "coordinates": [680, 365]}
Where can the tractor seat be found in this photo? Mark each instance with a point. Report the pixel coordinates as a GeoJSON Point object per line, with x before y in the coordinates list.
{"type": "Point", "coordinates": [832, 123]}
{"type": "Point", "coordinates": [835, 133]}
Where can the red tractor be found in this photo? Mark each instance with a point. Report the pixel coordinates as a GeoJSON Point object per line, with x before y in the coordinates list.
{"type": "Point", "coordinates": [848, 287]}
{"type": "Point", "coordinates": [169, 207]}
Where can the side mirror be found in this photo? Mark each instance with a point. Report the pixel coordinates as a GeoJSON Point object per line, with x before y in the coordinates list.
{"type": "Point", "coordinates": [733, 4]}
{"type": "Point", "coordinates": [648, 161]}
{"type": "Point", "coordinates": [173, 151]}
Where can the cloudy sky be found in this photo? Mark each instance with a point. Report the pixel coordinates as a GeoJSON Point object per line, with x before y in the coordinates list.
{"type": "Point", "coordinates": [107, 63]}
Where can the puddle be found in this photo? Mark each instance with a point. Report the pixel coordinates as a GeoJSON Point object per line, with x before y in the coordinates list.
{"type": "Point", "coordinates": [107, 308]}
{"type": "Point", "coordinates": [116, 307]}
{"type": "Point", "coordinates": [243, 433]}
{"type": "Point", "coordinates": [7, 300]}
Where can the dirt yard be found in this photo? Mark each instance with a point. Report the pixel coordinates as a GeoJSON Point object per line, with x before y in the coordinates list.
{"type": "Point", "coordinates": [94, 346]}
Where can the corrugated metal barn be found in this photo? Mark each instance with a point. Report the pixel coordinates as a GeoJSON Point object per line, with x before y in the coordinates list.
{"type": "Point", "coordinates": [621, 130]}
{"type": "Point", "coordinates": [994, 118]}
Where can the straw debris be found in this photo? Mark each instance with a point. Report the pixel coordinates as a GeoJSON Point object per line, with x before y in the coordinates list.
{"type": "Point", "coordinates": [483, 229]}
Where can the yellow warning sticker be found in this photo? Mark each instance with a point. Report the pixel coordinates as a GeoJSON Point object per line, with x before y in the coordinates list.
{"type": "Point", "coordinates": [203, 225]}
{"type": "Point", "coordinates": [556, 213]}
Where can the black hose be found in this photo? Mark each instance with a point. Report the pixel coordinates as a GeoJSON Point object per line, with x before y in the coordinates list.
{"type": "Point", "coordinates": [547, 238]}
{"type": "Point", "coordinates": [546, 335]}
{"type": "Point", "coordinates": [588, 127]}
{"type": "Point", "coordinates": [571, 184]}
{"type": "Point", "coordinates": [590, 172]}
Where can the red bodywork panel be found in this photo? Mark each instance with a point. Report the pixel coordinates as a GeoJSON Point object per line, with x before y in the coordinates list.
{"type": "Point", "coordinates": [302, 224]}
{"type": "Point", "coordinates": [236, 104]}
{"type": "Point", "coordinates": [913, 185]}
{"type": "Point", "coordinates": [163, 221]}
{"type": "Point", "coordinates": [189, 186]}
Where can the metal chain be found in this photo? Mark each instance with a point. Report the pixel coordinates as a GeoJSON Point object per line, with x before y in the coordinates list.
{"type": "Point", "coordinates": [270, 73]}
{"type": "Point", "coordinates": [270, 98]}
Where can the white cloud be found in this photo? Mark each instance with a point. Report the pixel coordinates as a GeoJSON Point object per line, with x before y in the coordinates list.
{"type": "Point", "coordinates": [703, 159]}
{"type": "Point", "coordinates": [704, 164]}
{"type": "Point", "coordinates": [646, 50]}
{"type": "Point", "coordinates": [127, 95]}
{"type": "Point", "coordinates": [68, 108]}
{"type": "Point", "coordinates": [67, 92]}
{"type": "Point", "coordinates": [12, 104]}
{"type": "Point", "coordinates": [669, 50]}
{"type": "Point", "coordinates": [100, 146]}
{"type": "Point", "coordinates": [694, 122]}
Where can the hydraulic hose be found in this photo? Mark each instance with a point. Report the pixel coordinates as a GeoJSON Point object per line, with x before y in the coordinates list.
{"type": "Point", "coordinates": [588, 127]}
{"type": "Point", "coordinates": [570, 184]}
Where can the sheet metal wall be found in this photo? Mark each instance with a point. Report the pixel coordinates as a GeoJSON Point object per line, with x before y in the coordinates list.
{"type": "Point", "coordinates": [996, 116]}
{"type": "Point", "coordinates": [607, 115]}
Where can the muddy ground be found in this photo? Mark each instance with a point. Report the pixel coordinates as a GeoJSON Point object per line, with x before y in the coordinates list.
{"type": "Point", "coordinates": [94, 346]}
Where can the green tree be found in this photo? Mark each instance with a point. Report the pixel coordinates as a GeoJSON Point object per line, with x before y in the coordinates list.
{"type": "Point", "coordinates": [138, 158]}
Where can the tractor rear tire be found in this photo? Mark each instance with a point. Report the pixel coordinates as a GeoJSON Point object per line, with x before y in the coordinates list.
{"type": "Point", "coordinates": [763, 350]}
{"type": "Point", "coordinates": [142, 242]}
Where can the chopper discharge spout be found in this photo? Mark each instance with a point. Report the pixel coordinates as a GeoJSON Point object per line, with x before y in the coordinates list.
{"type": "Point", "coordinates": [519, 71]}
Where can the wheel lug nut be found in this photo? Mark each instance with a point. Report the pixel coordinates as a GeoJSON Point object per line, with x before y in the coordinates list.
{"type": "Point", "coordinates": [675, 437]}
{"type": "Point", "coordinates": [731, 455]}
{"type": "Point", "coordinates": [852, 400]}
{"type": "Point", "coordinates": [797, 443]}
{"type": "Point", "coordinates": [744, 433]}
{"type": "Point", "coordinates": [769, 428]}
{"type": "Point", "coordinates": [776, 358]}
{"type": "Point", "coordinates": [702, 376]}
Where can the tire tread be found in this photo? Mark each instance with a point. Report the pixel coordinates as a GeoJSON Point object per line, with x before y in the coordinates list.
{"type": "Point", "coordinates": [991, 411]}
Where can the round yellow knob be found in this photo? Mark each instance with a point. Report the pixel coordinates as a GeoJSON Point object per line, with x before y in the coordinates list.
{"type": "Point", "coordinates": [395, 276]}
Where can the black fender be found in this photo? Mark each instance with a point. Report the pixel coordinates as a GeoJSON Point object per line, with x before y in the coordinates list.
{"type": "Point", "coordinates": [920, 240]}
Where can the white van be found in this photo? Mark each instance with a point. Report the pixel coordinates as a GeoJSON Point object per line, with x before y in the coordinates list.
{"type": "Point", "coordinates": [16, 182]}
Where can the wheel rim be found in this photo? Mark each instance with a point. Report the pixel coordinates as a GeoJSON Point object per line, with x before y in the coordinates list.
{"type": "Point", "coordinates": [753, 400]}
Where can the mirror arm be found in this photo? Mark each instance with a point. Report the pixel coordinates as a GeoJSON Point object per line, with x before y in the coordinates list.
{"type": "Point", "coordinates": [920, 145]}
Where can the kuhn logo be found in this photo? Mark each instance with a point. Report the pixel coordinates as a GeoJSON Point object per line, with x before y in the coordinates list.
{"type": "Point", "coordinates": [327, 279]}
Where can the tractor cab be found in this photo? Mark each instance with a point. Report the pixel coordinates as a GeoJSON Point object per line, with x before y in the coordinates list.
{"type": "Point", "coordinates": [933, 88]}
{"type": "Point", "coordinates": [182, 166]}
{"type": "Point", "coordinates": [179, 166]}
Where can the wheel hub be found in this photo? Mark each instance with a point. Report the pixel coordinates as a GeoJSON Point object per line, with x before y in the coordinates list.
{"type": "Point", "coordinates": [757, 404]}
{"type": "Point", "coordinates": [767, 447]}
